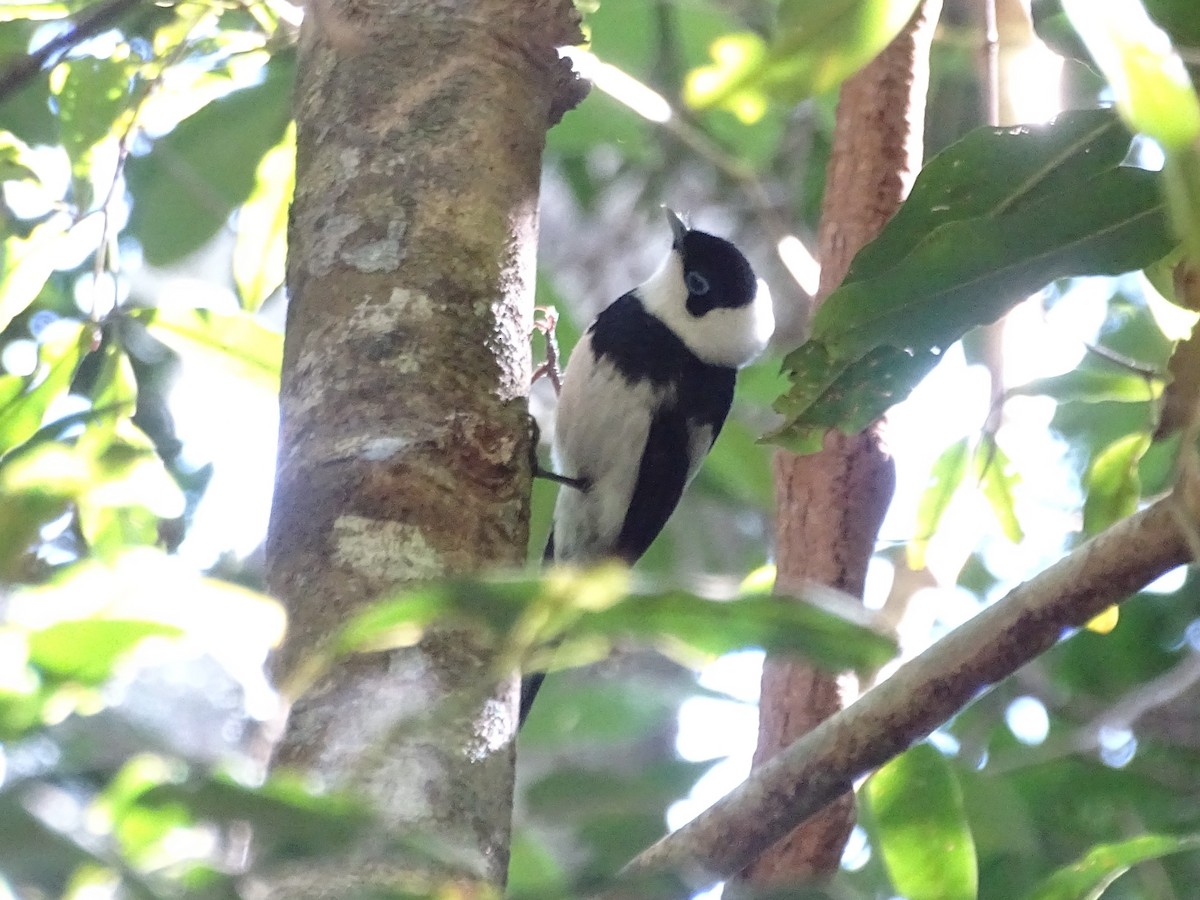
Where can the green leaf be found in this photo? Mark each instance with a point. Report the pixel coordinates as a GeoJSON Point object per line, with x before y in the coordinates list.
{"type": "Point", "coordinates": [92, 95]}
{"type": "Point", "coordinates": [997, 478]}
{"type": "Point", "coordinates": [238, 343]}
{"type": "Point", "coordinates": [36, 488]}
{"type": "Point", "coordinates": [598, 604]}
{"type": "Point", "coordinates": [1112, 483]}
{"type": "Point", "coordinates": [207, 166]}
{"type": "Point", "coordinates": [815, 47]}
{"type": "Point", "coordinates": [1091, 875]}
{"type": "Point", "coordinates": [86, 650]}
{"type": "Point", "coordinates": [289, 821]}
{"type": "Point", "coordinates": [261, 249]}
{"type": "Point", "coordinates": [1149, 82]}
{"type": "Point", "coordinates": [944, 478]}
{"type": "Point", "coordinates": [712, 627]}
{"type": "Point", "coordinates": [1093, 385]}
{"type": "Point", "coordinates": [1068, 212]}
{"type": "Point", "coordinates": [1023, 164]}
{"type": "Point", "coordinates": [59, 353]}
{"type": "Point", "coordinates": [25, 264]}
{"type": "Point", "coordinates": [916, 807]}
{"type": "Point", "coordinates": [15, 158]}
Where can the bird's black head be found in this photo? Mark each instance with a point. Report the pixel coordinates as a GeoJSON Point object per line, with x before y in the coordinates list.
{"type": "Point", "coordinates": [715, 272]}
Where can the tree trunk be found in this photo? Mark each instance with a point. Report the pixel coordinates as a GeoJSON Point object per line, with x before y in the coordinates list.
{"type": "Point", "coordinates": [404, 436]}
{"type": "Point", "coordinates": [829, 505]}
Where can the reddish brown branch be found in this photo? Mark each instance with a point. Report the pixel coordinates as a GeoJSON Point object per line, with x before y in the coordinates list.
{"type": "Point", "coordinates": [829, 505]}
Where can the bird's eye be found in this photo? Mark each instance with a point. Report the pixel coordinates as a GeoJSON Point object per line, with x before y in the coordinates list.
{"type": "Point", "coordinates": [697, 284]}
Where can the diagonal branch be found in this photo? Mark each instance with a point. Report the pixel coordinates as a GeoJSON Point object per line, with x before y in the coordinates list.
{"type": "Point", "coordinates": [921, 695]}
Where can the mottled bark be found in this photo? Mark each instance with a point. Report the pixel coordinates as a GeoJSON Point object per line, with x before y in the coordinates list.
{"type": "Point", "coordinates": [925, 692]}
{"type": "Point", "coordinates": [404, 438]}
{"type": "Point", "coordinates": [829, 505]}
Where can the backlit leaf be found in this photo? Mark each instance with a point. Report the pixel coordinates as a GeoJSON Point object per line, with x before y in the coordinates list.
{"type": "Point", "coordinates": [87, 649]}
{"type": "Point", "coordinates": [815, 47]}
{"type": "Point", "coordinates": [25, 264]}
{"type": "Point", "coordinates": [206, 165]}
{"type": "Point", "coordinates": [998, 478]}
{"type": "Point", "coordinates": [261, 249]}
{"type": "Point", "coordinates": [1112, 483]}
{"type": "Point", "coordinates": [59, 355]}
{"type": "Point", "coordinates": [917, 817]}
{"type": "Point", "coordinates": [1090, 876]}
{"type": "Point", "coordinates": [1093, 385]}
{"type": "Point", "coordinates": [1149, 82]}
{"type": "Point", "coordinates": [92, 95]}
{"type": "Point", "coordinates": [237, 342]}
{"type": "Point", "coordinates": [944, 478]}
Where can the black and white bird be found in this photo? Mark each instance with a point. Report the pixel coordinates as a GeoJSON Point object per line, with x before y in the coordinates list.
{"type": "Point", "coordinates": [644, 396]}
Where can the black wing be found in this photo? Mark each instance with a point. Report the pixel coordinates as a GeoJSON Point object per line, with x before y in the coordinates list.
{"type": "Point", "coordinates": [661, 478]}
{"type": "Point", "coordinates": [705, 394]}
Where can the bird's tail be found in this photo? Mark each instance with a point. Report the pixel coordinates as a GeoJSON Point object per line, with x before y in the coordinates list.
{"type": "Point", "coordinates": [532, 682]}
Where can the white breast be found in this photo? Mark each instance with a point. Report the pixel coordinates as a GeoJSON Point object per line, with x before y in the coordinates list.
{"type": "Point", "coordinates": [600, 433]}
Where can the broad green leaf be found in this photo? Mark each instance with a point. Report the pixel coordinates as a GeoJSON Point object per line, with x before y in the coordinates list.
{"type": "Point", "coordinates": [944, 478]}
{"type": "Point", "coordinates": [881, 332]}
{"type": "Point", "coordinates": [710, 628]}
{"type": "Point", "coordinates": [917, 817]}
{"type": "Point", "coordinates": [1093, 385]}
{"type": "Point", "coordinates": [593, 607]}
{"type": "Point", "coordinates": [261, 249]}
{"type": "Point", "coordinates": [237, 343]}
{"type": "Point", "coordinates": [1091, 875]}
{"type": "Point", "coordinates": [86, 650]}
{"type": "Point", "coordinates": [25, 264]}
{"type": "Point", "coordinates": [206, 165]}
{"type": "Point", "coordinates": [92, 95]}
{"type": "Point", "coordinates": [59, 355]}
{"type": "Point", "coordinates": [997, 478]}
{"type": "Point", "coordinates": [1149, 82]}
{"type": "Point", "coordinates": [1112, 483]}
{"type": "Point", "coordinates": [1023, 165]}
{"type": "Point", "coordinates": [815, 47]}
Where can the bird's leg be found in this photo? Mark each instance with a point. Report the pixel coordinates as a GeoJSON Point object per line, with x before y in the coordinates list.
{"type": "Point", "coordinates": [546, 325]}
{"type": "Point", "coordinates": [579, 484]}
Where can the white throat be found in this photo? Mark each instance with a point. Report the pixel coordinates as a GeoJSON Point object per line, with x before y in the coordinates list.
{"type": "Point", "coordinates": [720, 337]}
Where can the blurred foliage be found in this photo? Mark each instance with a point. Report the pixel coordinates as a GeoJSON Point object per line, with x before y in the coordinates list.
{"type": "Point", "coordinates": [131, 159]}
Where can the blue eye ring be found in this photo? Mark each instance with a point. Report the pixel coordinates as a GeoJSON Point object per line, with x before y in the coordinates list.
{"type": "Point", "coordinates": [697, 284]}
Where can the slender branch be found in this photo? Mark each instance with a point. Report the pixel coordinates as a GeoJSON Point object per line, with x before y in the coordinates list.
{"type": "Point", "coordinates": [98, 18]}
{"type": "Point", "coordinates": [921, 695]}
{"type": "Point", "coordinates": [991, 63]}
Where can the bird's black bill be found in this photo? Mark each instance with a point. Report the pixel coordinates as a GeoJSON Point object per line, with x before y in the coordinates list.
{"type": "Point", "coordinates": [678, 229]}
